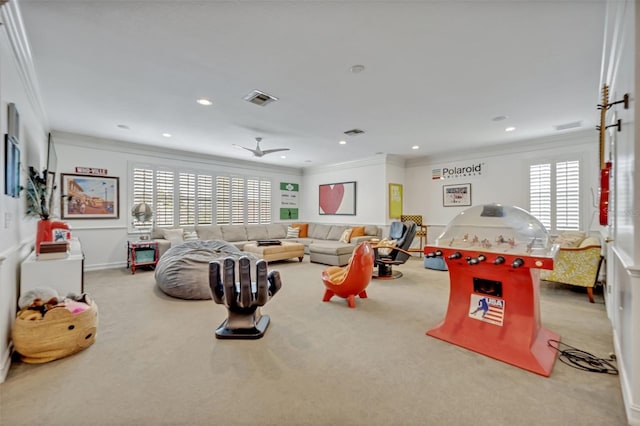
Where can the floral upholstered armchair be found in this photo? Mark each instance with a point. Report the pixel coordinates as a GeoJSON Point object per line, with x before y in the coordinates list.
{"type": "Point", "coordinates": [577, 263]}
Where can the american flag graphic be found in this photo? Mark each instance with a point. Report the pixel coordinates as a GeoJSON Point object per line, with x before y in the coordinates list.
{"type": "Point", "coordinates": [487, 309]}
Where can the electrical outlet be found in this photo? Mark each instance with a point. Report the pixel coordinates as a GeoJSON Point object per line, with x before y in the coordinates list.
{"type": "Point", "coordinates": [7, 220]}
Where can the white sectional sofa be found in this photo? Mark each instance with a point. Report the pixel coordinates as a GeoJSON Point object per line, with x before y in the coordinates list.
{"type": "Point", "coordinates": [322, 242]}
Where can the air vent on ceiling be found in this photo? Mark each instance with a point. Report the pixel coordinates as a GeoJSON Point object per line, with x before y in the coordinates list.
{"type": "Point", "coordinates": [568, 126]}
{"type": "Point", "coordinates": [354, 132]}
{"type": "Point", "coordinates": [260, 98]}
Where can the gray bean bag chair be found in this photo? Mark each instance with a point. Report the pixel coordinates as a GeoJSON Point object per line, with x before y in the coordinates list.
{"type": "Point", "coordinates": [183, 271]}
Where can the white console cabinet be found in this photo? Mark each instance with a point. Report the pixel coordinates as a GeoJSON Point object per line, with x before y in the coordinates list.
{"type": "Point", "coordinates": [63, 275]}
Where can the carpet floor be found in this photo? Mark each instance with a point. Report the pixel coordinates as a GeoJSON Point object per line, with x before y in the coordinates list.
{"type": "Point", "coordinates": [156, 362]}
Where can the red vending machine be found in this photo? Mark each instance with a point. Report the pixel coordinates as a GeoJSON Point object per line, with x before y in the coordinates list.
{"type": "Point", "coordinates": [494, 254]}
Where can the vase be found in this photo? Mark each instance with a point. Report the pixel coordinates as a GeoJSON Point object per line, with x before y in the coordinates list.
{"type": "Point", "coordinates": [44, 231]}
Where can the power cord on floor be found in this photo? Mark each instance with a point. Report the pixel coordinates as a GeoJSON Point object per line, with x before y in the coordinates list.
{"type": "Point", "coordinates": [582, 360]}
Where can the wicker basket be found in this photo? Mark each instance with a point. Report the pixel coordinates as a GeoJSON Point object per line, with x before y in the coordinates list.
{"type": "Point", "coordinates": [56, 335]}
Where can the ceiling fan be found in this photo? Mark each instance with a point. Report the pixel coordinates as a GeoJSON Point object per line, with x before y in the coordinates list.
{"type": "Point", "coordinates": [257, 152]}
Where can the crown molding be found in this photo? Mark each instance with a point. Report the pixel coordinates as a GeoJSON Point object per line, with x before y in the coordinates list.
{"type": "Point", "coordinates": [378, 160]}
{"type": "Point", "coordinates": [14, 27]}
{"type": "Point", "coordinates": [85, 141]}
{"type": "Point", "coordinates": [539, 144]}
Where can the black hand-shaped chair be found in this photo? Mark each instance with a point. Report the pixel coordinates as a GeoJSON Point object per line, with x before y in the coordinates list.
{"type": "Point", "coordinates": [403, 233]}
{"type": "Point", "coordinates": [242, 299]}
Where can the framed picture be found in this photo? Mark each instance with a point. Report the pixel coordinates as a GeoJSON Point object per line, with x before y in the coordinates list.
{"type": "Point", "coordinates": [337, 199]}
{"type": "Point", "coordinates": [395, 200]}
{"type": "Point", "coordinates": [11, 166]}
{"type": "Point", "coordinates": [89, 197]}
{"type": "Point", "coordinates": [13, 122]}
{"type": "Point", "coordinates": [456, 195]}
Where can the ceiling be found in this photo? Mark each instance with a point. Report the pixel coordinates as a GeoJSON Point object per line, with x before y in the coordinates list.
{"type": "Point", "coordinates": [437, 73]}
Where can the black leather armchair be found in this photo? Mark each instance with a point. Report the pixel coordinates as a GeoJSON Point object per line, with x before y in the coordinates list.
{"type": "Point", "coordinates": [403, 233]}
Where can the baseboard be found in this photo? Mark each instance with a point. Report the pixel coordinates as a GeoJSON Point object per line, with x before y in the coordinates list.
{"type": "Point", "coordinates": [5, 364]}
{"type": "Point", "coordinates": [101, 266]}
{"type": "Point", "coordinates": [632, 410]}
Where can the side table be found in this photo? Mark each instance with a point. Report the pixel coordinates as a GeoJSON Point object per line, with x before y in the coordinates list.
{"type": "Point", "coordinates": [141, 253]}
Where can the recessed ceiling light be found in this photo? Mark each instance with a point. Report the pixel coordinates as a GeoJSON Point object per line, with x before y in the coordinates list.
{"type": "Point", "coordinates": [283, 156]}
{"type": "Point", "coordinates": [356, 69]}
{"type": "Point", "coordinates": [499, 118]}
{"type": "Point", "coordinates": [342, 142]}
{"type": "Point", "coordinates": [509, 129]}
{"type": "Point", "coordinates": [415, 147]}
{"type": "Point", "coordinates": [167, 135]}
{"type": "Point", "coordinates": [204, 101]}
{"type": "Point", "coordinates": [123, 126]}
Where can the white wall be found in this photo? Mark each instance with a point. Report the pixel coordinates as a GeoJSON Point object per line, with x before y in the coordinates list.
{"type": "Point", "coordinates": [620, 70]}
{"type": "Point", "coordinates": [503, 177]}
{"type": "Point", "coordinates": [370, 177]}
{"type": "Point", "coordinates": [104, 241]}
{"type": "Point", "coordinates": [16, 230]}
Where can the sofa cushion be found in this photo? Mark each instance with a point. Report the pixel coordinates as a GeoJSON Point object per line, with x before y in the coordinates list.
{"type": "Point", "coordinates": [336, 232]}
{"type": "Point", "coordinates": [276, 230]}
{"type": "Point", "coordinates": [157, 233]}
{"type": "Point", "coordinates": [175, 236]}
{"type": "Point", "coordinates": [590, 241]}
{"type": "Point", "coordinates": [257, 232]}
{"type": "Point", "coordinates": [570, 238]}
{"type": "Point", "coordinates": [233, 233]}
{"type": "Point", "coordinates": [304, 229]}
{"type": "Point", "coordinates": [320, 231]}
{"type": "Point", "coordinates": [208, 233]}
{"type": "Point", "coordinates": [370, 230]}
{"type": "Point", "coordinates": [330, 248]}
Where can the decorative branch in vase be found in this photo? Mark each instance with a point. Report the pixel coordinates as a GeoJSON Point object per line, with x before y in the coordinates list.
{"type": "Point", "coordinates": [39, 202]}
{"type": "Point", "coordinates": [38, 198]}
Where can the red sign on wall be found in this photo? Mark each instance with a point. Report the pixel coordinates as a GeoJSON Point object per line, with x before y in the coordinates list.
{"type": "Point", "coordinates": [91, 171]}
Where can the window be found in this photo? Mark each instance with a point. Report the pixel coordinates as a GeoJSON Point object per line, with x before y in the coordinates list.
{"type": "Point", "coordinates": [205, 200]}
{"type": "Point", "coordinates": [223, 200]}
{"type": "Point", "coordinates": [258, 201]}
{"type": "Point", "coordinates": [163, 210]}
{"type": "Point", "coordinates": [142, 191]}
{"type": "Point", "coordinates": [554, 194]}
{"type": "Point", "coordinates": [189, 198]}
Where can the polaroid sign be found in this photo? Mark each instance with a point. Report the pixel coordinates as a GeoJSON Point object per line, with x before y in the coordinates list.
{"type": "Point", "coordinates": [455, 172]}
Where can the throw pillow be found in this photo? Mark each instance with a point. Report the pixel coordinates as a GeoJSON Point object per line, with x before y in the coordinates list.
{"type": "Point", "coordinates": [188, 236]}
{"type": "Point", "coordinates": [304, 229]}
{"type": "Point", "coordinates": [385, 246]}
{"type": "Point", "coordinates": [293, 232]}
{"type": "Point", "coordinates": [590, 241]}
{"type": "Point", "coordinates": [570, 239]}
{"type": "Point", "coordinates": [357, 231]}
{"type": "Point", "coordinates": [175, 236]}
{"type": "Point", "coordinates": [346, 236]}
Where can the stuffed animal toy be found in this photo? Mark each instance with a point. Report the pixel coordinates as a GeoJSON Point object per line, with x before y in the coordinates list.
{"type": "Point", "coordinates": [38, 296]}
